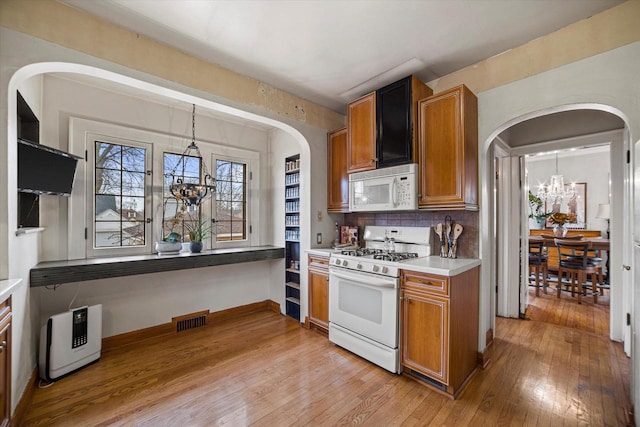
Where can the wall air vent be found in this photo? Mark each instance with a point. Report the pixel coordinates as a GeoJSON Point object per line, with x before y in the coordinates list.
{"type": "Point", "coordinates": [190, 321]}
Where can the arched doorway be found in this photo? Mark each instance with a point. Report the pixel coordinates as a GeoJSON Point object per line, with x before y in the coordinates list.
{"type": "Point", "coordinates": [555, 128]}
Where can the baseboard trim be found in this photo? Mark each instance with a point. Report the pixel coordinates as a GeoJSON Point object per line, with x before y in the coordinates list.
{"type": "Point", "coordinates": [18, 416]}
{"type": "Point", "coordinates": [483, 356]}
{"type": "Point", "coordinates": [273, 306]}
{"type": "Point", "coordinates": [120, 340]}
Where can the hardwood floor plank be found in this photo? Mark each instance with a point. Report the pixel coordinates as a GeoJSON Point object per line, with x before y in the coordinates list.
{"type": "Point", "coordinates": [263, 369]}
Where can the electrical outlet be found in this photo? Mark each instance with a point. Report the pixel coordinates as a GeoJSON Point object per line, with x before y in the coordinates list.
{"type": "Point", "coordinates": [319, 238]}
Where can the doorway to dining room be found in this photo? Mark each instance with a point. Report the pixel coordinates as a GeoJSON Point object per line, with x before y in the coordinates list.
{"type": "Point", "coordinates": [582, 193]}
{"type": "Point", "coordinates": [556, 132]}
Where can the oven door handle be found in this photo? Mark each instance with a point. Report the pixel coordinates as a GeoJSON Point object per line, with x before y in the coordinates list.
{"type": "Point", "coordinates": [367, 281]}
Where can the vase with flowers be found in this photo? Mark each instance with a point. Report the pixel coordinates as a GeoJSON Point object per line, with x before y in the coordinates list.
{"type": "Point", "coordinates": [560, 219]}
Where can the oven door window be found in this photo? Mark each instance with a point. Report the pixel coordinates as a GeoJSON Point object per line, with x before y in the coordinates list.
{"type": "Point", "coordinates": [366, 304]}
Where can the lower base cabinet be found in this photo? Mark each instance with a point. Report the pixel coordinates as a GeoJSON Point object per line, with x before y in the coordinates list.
{"type": "Point", "coordinates": [319, 292]}
{"type": "Point", "coordinates": [5, 362]}
{"type": "Point", "coordinates": [439, 333]}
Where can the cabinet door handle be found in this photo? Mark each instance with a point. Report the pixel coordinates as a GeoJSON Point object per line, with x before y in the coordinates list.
{"type": "Point", "coordinates": [3, 345]}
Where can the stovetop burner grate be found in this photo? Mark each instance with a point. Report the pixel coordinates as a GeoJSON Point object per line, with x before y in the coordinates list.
{"type": "Point", "coordinates": [361, 252]}
{"type": "Point", "coordinates": [395, 256]}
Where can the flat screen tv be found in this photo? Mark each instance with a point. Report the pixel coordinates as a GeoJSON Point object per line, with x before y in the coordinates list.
{"type": "Point", "coordinates": [45, 170]}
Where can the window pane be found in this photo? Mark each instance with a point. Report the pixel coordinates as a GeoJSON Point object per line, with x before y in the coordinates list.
{"type": "Point", "coordinates": [108, 181]}
{"type": "Point", "coordinates": [223, 170]}
{"type": "Point", "coordinates": [238, 172]}
{"type": "Point", "coordinates": [108, 233]}
{"type": "Point", "coordinates": [133, 183]}
{"type": "Point", "coordinates": [104, 204]}
{"type": "Point", "coordinates": [133, 159]}
{"type": "Point", "coordinates": [231, 201]}
{"type": "Point", "coordinates": [119, 215]}
{"type": "Point", "coordinates": [108, 156]}
{"type": "Point", "coordinates": [173, 213]}
{"type": "Point", "coordinates": [237, 192]}
{"type": "Point", "coordinates": [192, 167]}
{"type": "Point", "coordinates": [223, 231]}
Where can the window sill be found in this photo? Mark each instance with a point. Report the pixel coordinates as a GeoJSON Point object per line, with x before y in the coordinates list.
{"type": "Point", "coordinates": [80, 270]}
{"type": "Point", "coordinates": [29, 230]}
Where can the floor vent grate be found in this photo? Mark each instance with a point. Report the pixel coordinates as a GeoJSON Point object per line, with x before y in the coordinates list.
{"type": "Point", "coordinates": [190, 321]}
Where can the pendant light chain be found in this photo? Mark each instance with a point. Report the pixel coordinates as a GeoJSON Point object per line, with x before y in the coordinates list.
{"type": "Point", "coordinates": [192, 194]}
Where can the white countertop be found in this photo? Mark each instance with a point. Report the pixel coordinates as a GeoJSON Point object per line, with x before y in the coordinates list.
{"type": "Point", "coordinates": [440, 266]}
{"type": "Point", "coordinates": [7, 287]}
{"type": "Point", "coordinates": [431, 265]}
{"type": "Point", "coordinates": [322, 251]}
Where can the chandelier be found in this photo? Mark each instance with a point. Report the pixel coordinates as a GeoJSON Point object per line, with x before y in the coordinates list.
{"type": "Point", "coordinates": [191, 193]}
{"type": "Point", "coordinates": [556, 190]}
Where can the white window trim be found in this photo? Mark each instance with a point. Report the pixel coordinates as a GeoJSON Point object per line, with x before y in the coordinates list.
{"type": "Point", "coordinates": [81, 131]}
{"type": "Point", "coordinates": [96, 252]}
{"type": "Point", "coordinates": [232, 154]}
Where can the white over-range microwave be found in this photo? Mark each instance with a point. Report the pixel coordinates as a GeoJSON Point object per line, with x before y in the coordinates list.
{"type": "Point", "coordinates": [388, 189]}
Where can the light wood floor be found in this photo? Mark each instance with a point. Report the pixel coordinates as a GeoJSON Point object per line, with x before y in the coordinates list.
{"type": "Point", "coordinates": [263, 369]}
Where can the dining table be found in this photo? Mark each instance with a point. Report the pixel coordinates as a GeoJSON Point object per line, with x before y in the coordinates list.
{"type": "Point", "coordinates": [596, 244]}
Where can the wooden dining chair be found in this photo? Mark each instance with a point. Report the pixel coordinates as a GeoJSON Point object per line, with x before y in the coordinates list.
{"type": "Point", "coordinates": [538, 264]}
{"type": "Point", "coordinates": [573, 259]}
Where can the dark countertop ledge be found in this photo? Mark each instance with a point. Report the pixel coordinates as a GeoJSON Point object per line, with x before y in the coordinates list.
{"type": "Point", "coordinates": [79, 270]}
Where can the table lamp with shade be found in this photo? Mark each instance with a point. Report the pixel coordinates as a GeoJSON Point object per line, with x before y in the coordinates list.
{"type": "Point", "coordinates": [604, 212]}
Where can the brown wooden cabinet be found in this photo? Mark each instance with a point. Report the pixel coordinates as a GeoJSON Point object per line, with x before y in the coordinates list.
{"type": "Point", "coordinates": [5, 362]}
{"type": "Point", "coordinates": [439, 333]}
{"type": "Point", "coordinates": [361, 134]}
{"type": "Point", "coordinates": [319, 292]}
{"type": "Point", "coordinates": [448, 150]}
{"type": "Point", "coordinates": [337, 175]}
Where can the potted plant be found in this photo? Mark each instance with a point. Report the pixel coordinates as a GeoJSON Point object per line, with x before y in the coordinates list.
{"type": "Point", "coordinates": [198, 230]}
{"type": "Point", "coordinates": [537, 211]}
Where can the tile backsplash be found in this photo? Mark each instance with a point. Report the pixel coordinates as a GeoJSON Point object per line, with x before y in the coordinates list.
{"type": "Point", "coordinates": [468, 242]}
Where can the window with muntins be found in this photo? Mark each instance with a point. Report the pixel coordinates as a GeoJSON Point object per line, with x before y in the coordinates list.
{"type": "Point", "coordinates": [231, 201]}
{"type": "Point", "coordinates": [124, 205]}
{"type": "Point", "coordinates": [175, 217]}
{"type": "Point", "coordinates": [119, 197]}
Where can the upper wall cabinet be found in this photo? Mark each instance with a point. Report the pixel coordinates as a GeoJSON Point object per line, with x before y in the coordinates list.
{"type": "Point", "coordinates": [396, 114]}
{"type": "Point", "coordinates": [361, 134]}
{"type": "Point", "coordinates": [337, 176]}
{"type": "Point", "coordinates": [448, 150]}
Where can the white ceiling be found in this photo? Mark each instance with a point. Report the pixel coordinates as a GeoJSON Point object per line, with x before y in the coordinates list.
{"type": "Point", "coordinates": [331, 52]}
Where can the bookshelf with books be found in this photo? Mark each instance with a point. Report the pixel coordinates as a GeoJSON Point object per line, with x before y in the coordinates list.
{"type": "Point", "coordinates": [292, 236]}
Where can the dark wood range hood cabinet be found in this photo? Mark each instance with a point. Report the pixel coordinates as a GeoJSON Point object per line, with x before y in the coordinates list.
{"type": "Point", "coordinates": [382, 126]}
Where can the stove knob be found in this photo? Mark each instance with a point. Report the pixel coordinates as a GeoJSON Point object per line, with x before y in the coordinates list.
{"type": "Point", "coordinates": [385, 269]}
{"type": "Point", "coordinates": [359, 266]}
{"type": "Point", "coordinates": [344, 263]}
{"type": "Point", "coordinates": [337, 262]}
{"type": "Point", "coordinates": [376, 268]}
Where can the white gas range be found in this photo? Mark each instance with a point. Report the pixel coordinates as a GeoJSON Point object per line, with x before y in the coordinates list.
{"type": "Point", "coordinates": [364, 289]}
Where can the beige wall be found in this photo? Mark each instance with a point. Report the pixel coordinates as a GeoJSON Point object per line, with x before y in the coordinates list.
{"type": "Point", "coordinates": [600, 33]}
{"type": "Point", "coordinates": [63, 25]}
{"type": "Point", "coordinates": [69, 27]}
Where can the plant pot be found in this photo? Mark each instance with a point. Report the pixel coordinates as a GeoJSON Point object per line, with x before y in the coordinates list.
{"type": "Point", "coordinates": [195, 247]}
{"type": "Point", "coordinates": [163, 247]}
{"type": "Point", "coordinates": [559, 230]}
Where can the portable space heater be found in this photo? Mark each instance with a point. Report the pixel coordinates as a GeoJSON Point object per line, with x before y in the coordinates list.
{"type": "Point", "coordinates": [70, 341]}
